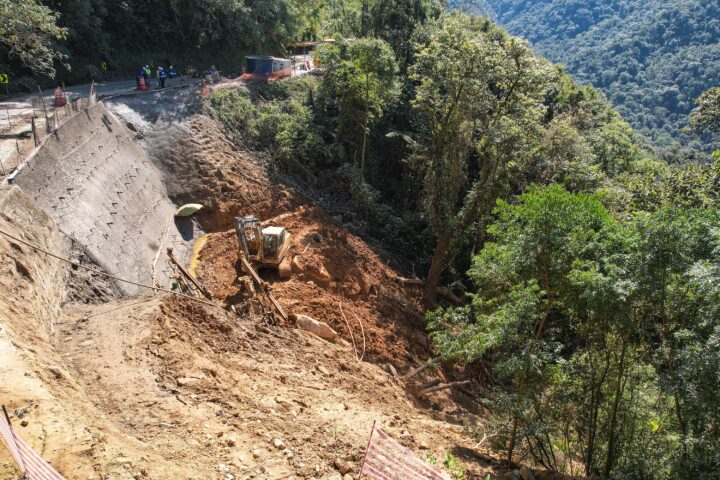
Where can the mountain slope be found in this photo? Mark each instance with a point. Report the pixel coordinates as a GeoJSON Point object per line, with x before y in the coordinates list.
{"type": "Point", "coordinates": [652, 58]}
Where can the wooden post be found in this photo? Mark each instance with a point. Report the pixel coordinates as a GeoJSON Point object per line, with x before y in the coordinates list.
{"type": "Point", "coordinates": [7, 110]}
{"type": "Point", "coordinates": [362, 465]}
{"type": "Point", "coordinates": [34, 131]}
{"type": "Point", "coordinates": [42, 99]}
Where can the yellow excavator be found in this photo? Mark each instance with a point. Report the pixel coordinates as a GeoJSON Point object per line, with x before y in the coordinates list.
{"type": "Point", "coordinates": [264, 247]}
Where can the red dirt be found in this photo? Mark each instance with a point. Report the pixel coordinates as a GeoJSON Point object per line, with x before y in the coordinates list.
{"type": "Point", "coordinates": [355, 277]}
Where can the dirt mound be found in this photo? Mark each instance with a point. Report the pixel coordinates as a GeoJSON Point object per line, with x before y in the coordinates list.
{"type": "Point", "coordinates": [331, 268]}
{"type": "Point", "coordinates": [203, 165]}
{"type": "Point", "coordinates": [226, 398]}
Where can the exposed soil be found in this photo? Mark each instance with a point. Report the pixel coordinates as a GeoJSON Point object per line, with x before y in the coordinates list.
{"type": "Point", "coordinates": [332, 268]}
{"type": "Point", "coordinates": [162, 388]}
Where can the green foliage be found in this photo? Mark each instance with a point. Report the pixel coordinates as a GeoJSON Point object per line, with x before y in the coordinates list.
{"type": "Point", "coordinates": [651, 58]}
{"type": "Point", "coordinates": [451, 464]}
{"type": "Point", "coordinates": [28, 31]}
{"type": "Point", "coordinates": [706, 117]}
{"type": "Point", "coordinates": [359, 82]}
{"type": "Point", "coordinates": [277, 119]}
{"type": "Point", "coordinates": [602, 333]}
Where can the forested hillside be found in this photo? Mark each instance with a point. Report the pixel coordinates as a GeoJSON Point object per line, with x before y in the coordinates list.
{"type": "Point", "coordinates": [87, 35]}
{"type": "Point", "coordinates": [652, 58]}
{"type": "Point", "coordinates": [580, 272]}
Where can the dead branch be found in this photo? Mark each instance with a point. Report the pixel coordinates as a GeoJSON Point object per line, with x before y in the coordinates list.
{"type": "Point", "coordinates": [443, 386]}
{"type": "Point", "coordinates": [429, 384]}
{"type": "Point", "coordinates": [421, 368]}
{"type": "Point", "coordinates": [442, 291]}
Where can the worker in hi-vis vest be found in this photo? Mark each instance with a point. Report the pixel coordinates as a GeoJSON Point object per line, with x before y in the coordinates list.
{"type": "Point", "coordinates": [161, 76]}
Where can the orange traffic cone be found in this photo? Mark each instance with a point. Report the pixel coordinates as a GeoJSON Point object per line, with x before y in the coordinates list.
{"type": "Point", "coordinates": [59, 98]}
{"type": "Point", "coordinates": [141, 84]}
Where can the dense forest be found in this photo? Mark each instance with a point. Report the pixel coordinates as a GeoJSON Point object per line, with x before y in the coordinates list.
{"type": "Point", "coordinates": [73, 40]}
{"type": "Point", "coordinates": [652, 58]}
{"type": "Point", "coordinates": [589, 268]}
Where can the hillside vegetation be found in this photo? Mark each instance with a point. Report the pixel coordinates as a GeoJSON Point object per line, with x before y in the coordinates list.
{"type": "Point", "coordinates": [581, 273]}
{"type": "Point", "coordinates": [651, 58]}
{"type": "Point", "coordinates": [589, 266]}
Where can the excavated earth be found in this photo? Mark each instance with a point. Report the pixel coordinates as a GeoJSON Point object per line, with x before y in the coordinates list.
{"type": "Point", "coordinates": [111, 382]}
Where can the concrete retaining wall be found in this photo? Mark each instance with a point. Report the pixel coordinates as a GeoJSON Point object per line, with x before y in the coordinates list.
{"type": "Point", "coordinates": [104, 191]}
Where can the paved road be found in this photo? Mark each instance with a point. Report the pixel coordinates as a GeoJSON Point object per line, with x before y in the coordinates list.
{"type": "Point", "coordinates": [20, 108]}
{"type": "Point", "coordinates": [17, 112]}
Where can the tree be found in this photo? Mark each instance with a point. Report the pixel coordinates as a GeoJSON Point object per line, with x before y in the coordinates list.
{"type": "Point", "coordinates": [674, 266]}
{"type": "Point", "coordinates": [479, 102]}
{"type": "Point", "coordinates": [523, 279]}
{"type": "Point", "coordinates": [360, 77]}
{"type": "Point", "coordinates": [706, 117]}
{"type": "Point", "coordinates": [28, 30]}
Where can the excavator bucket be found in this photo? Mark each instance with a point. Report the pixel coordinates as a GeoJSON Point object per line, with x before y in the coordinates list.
{"type": "Point", "coordinates": [249, 236]}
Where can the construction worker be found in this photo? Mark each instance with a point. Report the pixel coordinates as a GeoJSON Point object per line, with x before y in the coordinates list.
{"type": "Point", "coordinates": [161, 76]}
{"type": "Point", "coordinates": [147, 73]}
{"type": "Point", "coordinates": [171, 72]}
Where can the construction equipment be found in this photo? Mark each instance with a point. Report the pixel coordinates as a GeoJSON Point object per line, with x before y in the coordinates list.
{"type": "Point", "coordinates": [186, 277]}
{"type": "Point", "coordinates": [264, 247]}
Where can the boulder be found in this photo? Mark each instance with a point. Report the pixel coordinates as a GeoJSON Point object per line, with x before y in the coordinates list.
{"type": "Point", "coordinates": [313, 269]}
{"type": "Point", "coordinates": [526, 474]}
{"type": "Point", "coordinates": [320, 329]}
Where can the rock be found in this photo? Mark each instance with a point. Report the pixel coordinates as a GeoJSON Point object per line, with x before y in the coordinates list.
{"type": "Point", "coordinates": [312, 269]}
{"type": "Point", "coordinates": [184, 381]}
{"type": "Point", "coordinates": [279, 444]}
{"type": "Point", "coordinates": [24, 423]}
{"type": "Point", "coordinates": [323, 370]}
{"type": "Point", "coordinates": [423, 446]}
{"type": "Point", "coordinates": [256, 453]}
{"type": "Point", "coordinates": [55, 370]}
{"type": "Point", "coordinates": [342, 466]}
{"type": "Point", "coordinates": [231, 441]}
{"type": "Point", "coordinates": [348, 477]}
{"type": "Point", "coordinates": [313, 326]}
{"type": "Point", "coordinates": [526, 474]}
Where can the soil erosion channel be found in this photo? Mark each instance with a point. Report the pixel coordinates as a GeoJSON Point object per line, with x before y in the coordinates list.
{"type": "Point", "coordinates": [108, 380]}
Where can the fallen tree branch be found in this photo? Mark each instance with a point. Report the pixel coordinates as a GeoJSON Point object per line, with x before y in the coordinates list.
{"type": "Point", "coordinates": [442, 291]}
{"type": "Point", "coordinates": [421, 368]}
{"type": "Point", "coordinates": [429, 384]}
{"type": "Point", "coordinates": [443, 386]}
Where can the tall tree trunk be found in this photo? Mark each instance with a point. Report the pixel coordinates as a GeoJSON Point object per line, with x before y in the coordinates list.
{"type": "Point", "coordinates": [613, 415]}
{"type": "Point", "coordinates": [436, 267]}
{"type": "Point", "coordinates": [364, 19]}
{"type": "Point", "coordinates": [513, 435]}
{"type": "Point", "coordinates": [365, 127]}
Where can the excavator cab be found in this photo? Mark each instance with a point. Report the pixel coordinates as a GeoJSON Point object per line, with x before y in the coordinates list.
{"type": "Point", "coordinates": [265, 247]}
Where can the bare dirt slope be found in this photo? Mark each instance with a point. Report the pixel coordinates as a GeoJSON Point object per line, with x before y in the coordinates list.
{"type": "Point", "coordinates": [160, 388]}
{"type": "Point", "coordinates": [230, 399]}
